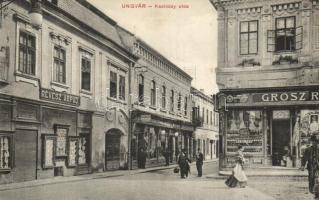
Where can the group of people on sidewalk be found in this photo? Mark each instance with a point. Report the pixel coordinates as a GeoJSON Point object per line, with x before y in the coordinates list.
{"type": "Point", "coordinates": [238, 177]}
{"type": "Point", "coordinates": [184, 164]}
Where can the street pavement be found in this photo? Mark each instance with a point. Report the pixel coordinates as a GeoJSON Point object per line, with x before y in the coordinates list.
{"type": "Point", "coordinates": [164, 184]}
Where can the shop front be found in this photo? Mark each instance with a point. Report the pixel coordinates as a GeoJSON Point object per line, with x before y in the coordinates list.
{"type": "Point", "coordinates": [155, 139]}
{"type": "Point", "coordinates": [206, 140]}
{"type": "Point", "coordinates": [273, 124]}
{"type": "Point", "coordinates": [39, 139]}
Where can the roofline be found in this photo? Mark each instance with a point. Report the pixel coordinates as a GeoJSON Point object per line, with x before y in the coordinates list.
{"type": "Point", "coordinates": [201, 94]}
{"type": "Point", "coordinates": [86, 4]}
{"type": "Point", "coordinates": [211, 1]}
{"type": "Point", "coordinates": [98, 12]}
{"type": "Point", "coordinates": [163, 57]}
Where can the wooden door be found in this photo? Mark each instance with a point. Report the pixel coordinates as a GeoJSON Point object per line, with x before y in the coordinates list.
{"type": "Point", "coordinates": [25, 155]}
{"type": "Point", "coordinates": [112, 151]}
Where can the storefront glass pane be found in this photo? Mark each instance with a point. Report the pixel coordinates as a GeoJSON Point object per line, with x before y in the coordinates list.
{"type": "Point", "coordinates": [245, 128]}
{"type": "Point", "coordinates": [152, 140]}
{"type": "Point", "coordinates": [309, 125]}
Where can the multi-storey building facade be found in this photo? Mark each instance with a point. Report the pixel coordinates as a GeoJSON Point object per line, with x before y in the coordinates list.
{"type": "Point", "coordinates": [161, 110]}
{"type": "Point", "coordinates": [63, 93]}
{"type": "Point", "coordinates": [267, 74]}
{"type": "Point", "coordinates": [205, 120]}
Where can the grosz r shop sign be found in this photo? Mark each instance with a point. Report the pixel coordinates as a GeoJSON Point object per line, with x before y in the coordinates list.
{"type": "Point", "coordinates": [286, 96]}
{"type": "Point", "coordinates": [59, 97]}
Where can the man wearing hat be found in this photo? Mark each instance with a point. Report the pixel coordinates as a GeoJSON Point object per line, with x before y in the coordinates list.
{"type": "Point", "coordinates": [310, 158]}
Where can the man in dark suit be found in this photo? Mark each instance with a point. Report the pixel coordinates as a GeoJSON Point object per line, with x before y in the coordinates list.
{"type": "Point", "coordinates": [199, 162]}
{"type": "Point", "coordinates": [183, 162]}
{"type": "Point", "coordinates": [310, 158]}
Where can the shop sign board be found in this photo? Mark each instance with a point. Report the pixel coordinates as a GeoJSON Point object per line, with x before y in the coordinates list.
{"type": "Point", "coordinates": [59, 97]}
{"type": "Point", "coordinates": [145, 118]}
{"type": "Point", "coordinates": [281, 114]}
{"type": "Point", "coordinates": [286, 96]}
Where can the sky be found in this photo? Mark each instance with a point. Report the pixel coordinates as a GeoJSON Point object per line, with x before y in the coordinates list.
{"type": "Point", "coordinates": [185, 36]}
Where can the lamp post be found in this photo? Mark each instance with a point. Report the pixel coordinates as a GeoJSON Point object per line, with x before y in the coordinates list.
{"type": "Point", "coordinates": [176, 144]}
{"type": "Point", "coordinates": [35, 12]}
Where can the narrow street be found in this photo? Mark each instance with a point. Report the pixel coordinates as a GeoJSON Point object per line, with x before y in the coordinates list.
{"type": "Point", "coordinates": [164, 184]}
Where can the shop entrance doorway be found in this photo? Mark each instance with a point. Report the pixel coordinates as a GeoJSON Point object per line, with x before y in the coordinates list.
{"type": "Point", "coordinates": [280, 142]}
{"type": "Point", "coordinates": [112, 149]}
{"type": "Point", "coordinates": [25, 155]}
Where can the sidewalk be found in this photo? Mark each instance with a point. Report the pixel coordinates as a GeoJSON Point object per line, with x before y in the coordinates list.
{"type": "Point", "coordinates": [262, 172]}
{"type": "Point", "coordinates": [86, 177]}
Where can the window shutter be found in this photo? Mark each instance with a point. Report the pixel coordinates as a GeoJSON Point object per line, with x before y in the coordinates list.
{"type": "Point", "coordinates": [271, 41]}
{"type": "Point", "coordinates": [299, 36]}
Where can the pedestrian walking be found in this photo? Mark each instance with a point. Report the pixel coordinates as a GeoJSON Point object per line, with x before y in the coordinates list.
{"type": "Point", "coordinates": [238, 177]}
{"type": "Point", "coordinates": [310, 160]}
{"type": "Point", "coordinates": [199, 163]}
{"type": "Point", "coordinates": [183, 162]}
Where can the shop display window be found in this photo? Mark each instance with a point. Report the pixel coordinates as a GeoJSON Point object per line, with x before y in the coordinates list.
{"type": "Point", "coordinates": [83, 149]}
{"type": "Point", "coordinates": [5, 152]}
{"type": "Point", "coordinates": [73, 151]}
{"type": "Point", "coordinates": [151, 138]}
{"type": "Point", "coordinates": [61, 133]}
{"type": "Point", "coordinates": [245, 128]}
{"type": "Point", "coordinates": [49, 143]}
{"type": "Point", "coordinates": [308, 125]}
{"type": "Point", "coordinates": [162, 143]}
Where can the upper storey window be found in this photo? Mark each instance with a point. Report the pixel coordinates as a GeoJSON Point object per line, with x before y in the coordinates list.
{"type": "Point", "coordinates": [141, 88]}
{"type": "Point", "coordinates": [27, 53]}
{"type": "Point", "coordinates": [153, 93]}
{"type": "Point", "coordinates": [249, 37]}
{"type": "Point", "coordinates": [86, 74]}
{"type": "Point", "coordinates": [285, 34]}
{"type": "Point", "coordinates": [59, 65]}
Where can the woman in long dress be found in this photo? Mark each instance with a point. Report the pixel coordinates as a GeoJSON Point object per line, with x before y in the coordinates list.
{"type": "Point", "coordinates": [238, 177]}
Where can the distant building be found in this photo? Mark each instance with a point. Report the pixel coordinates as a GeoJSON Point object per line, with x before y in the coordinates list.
{"type": "Point", "coordinates": [268, 76]}
{"type": "Point", "coordinates": [205, 120]}
{"type": "Point", "coordinates": [161, 106]}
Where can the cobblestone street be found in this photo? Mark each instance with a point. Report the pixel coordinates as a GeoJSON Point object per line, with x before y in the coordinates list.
{"type": "Point", "coordinates": [164, 184]}
{"type": "Point", "coordinates": [282, 188]}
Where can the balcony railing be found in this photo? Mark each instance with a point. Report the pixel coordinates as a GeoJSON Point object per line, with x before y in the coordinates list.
{"type": "Point", "coordinates": [4, 64]}
{"type": "Point", "coordinates": [198, 121]}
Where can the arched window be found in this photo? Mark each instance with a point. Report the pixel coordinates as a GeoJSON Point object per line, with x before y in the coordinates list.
{"type": "Point", "coordinates": [141, 88]}
{"type": "Point", "coordinates": [163, 97]}
{"type": "Point", "coordinates": [185, 106]}
{"type": "Point", "coordinates": [179, 102]}
{"type": "Point", "coordinates": [172, 101]}
{"type": "Point", "coordinates": [153, 93]}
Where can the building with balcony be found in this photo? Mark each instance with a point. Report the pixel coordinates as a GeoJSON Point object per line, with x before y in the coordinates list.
{"type": "Point", "coordinates": [64, 91]}
{"type": "Point", "coordinates": [267, 74]}
{"type": "Point", "coordinates": [161, 106]}
{"type": "Point", "coordinates": [205, 121]}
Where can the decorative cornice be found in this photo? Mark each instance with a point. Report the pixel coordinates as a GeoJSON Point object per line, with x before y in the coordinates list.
{"type": "Point", "coordinates": [249, 10]}
{"type": "Point", "coordinates": [286, 6]}
{"type": "Point", "coordinates": [61, 38]}
{"type": "Point", "coordinates": [221, 4]}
